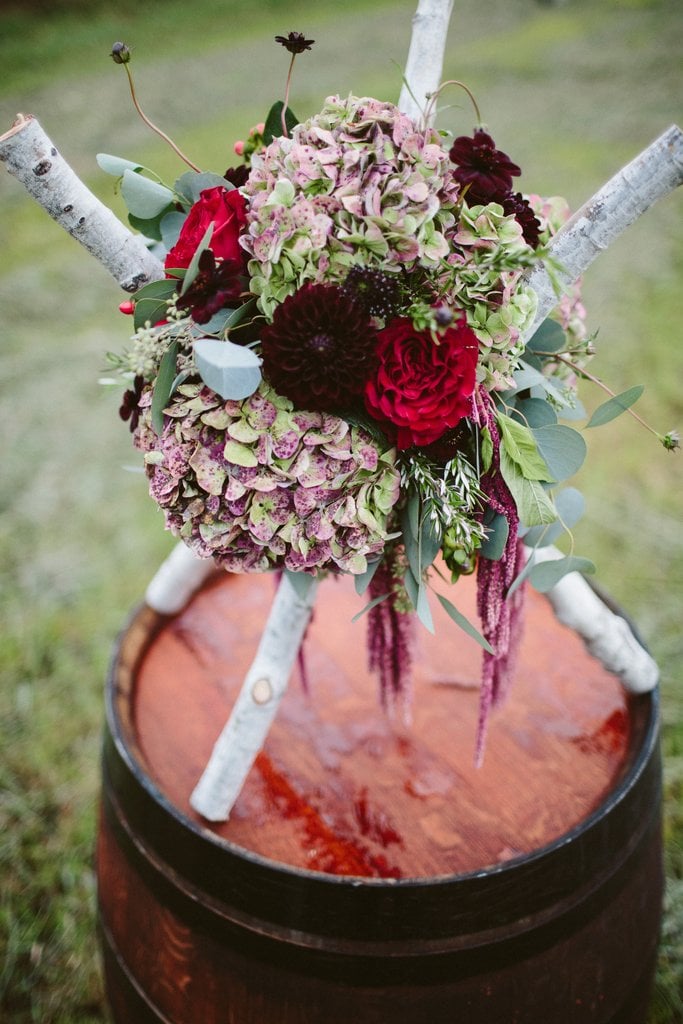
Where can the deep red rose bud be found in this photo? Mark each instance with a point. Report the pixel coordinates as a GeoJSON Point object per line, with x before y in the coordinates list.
{"type": "Point", "coordinates": [127, 307]}
{"type": "Point", "coordinates": [226, 208]}
{"type": "Point", "coordinates": [422, 387]}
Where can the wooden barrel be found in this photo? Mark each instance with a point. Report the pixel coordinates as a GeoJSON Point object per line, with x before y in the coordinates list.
{"type": "Point", "coordinates": [369, 872]}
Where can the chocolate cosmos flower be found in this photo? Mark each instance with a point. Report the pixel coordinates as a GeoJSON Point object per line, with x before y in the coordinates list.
{"type": "Point", "coordinates": [515, 203]}
{"type": "Point", "coordinates": [295, 42]}
{"type": "Point", "coordinates": [217, 285]}
{"type": "Point", "coordinates": [486, 170]}
{"type": "Point", "coordinates": [320, 348]}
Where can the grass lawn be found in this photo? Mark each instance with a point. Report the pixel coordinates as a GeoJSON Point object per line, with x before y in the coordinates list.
{"type": "Point", "coordinates": [571, 90]}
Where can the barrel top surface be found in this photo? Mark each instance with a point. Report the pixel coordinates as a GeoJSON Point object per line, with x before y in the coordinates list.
{"type": "Point", "coordinates": [345, 789]}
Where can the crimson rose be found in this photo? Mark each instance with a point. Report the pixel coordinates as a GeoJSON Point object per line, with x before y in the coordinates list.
{"type": "Point", "coordinates": [227, 209]}
{"type": "Point", "coordinates": [422, 387]}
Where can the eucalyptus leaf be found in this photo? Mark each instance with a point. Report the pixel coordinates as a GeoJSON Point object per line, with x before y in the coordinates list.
{"type": "Point", "coordinates": [574, 411]}
{"type": "Point", "coordinates": [300, 582]}
{"type": "Point", "coordinates": [535, 412]}
{"type": "Point", "coordinates": [430, 543]}
{"type": "Point", "coordinates": [273, 123]}
{"type": "Point", "coordinates": [562, 448]}
{"type": "Point", "coordinates": [242, 313]}
{"type": "Point", "coordinates": [190, 185]}
{"type": "Point", "coordinates": [143, 197]}
{"type": "Point", "coordinates": [424, 612]}
{"type": "Point", "coordinates": [232, 371]}
{"type": "Point", "coordinates": [193, 268]}
{"type": "Point", "coordinates": [363, 580]}
{"type": "Point", "coordinates": [615, 406]}
{"type": "Point", "coordinates": [571, 505]}
{"type": "Point", "coordinates": [545, 575]}
{"type": "Point", "coordinates": [163, 386]}
{"type": "Point", "coordinates": [542, 536]}
{"type": "Point", "coordinates": [548, 338]}
{"type": "Point", "coordinates": [150, 302]}
{"type": "Point", "coordinates": [464, 623]}
{"type": "Point", "coordinates": [371, 604]}
{"type": "Point", "coordinates": [170, 226]}
{"type": "Point", "coordinates": [527, 377]}
{"type": "Point", "coordinates": [116, 165]}
{"type": "Point", "coordinates": [150, 227]}
{"type": "Point", "coordinates": [218, 323]}
{"type": "Point", "coordinates": [496, 538]}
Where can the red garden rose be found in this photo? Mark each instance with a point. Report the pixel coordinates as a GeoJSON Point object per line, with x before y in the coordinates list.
{"type": "Point", "coordinates": [422, 387]}
{"type": "Point", "coordinates": [227, 209]}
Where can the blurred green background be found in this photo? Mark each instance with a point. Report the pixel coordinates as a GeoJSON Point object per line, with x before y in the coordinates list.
{"type": "Point", "coordinates": [571, 90]}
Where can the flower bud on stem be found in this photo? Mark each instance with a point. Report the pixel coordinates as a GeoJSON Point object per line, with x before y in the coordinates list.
{"type": "Point", "coordinates": [120, 54]}
{"type": "Point", "coordinates": [670, 440]}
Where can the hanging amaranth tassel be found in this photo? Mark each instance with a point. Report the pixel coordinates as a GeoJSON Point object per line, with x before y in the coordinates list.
{"type": "Point", "coordinates": [390, 639]}
{"type": "Point", "coordinates": [500, 615]}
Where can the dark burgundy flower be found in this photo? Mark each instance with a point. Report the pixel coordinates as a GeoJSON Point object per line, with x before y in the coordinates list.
{"type": "Point", "coordinates": [217, 285]}
{"type": "Point", "coordinates": [237, 176]}
{"type": "Point", "coordinates": [379, 294]}
{"type": "Point", "coordinates": [422, 387]}
{"type": "Point", "coordinates": [320, 348]}
{"type": "Point", "coordinates": [486, 170]}
{"type": "Point", "coordinates": [226, 210]}
{"type": "Point", "coordinates": [295, 42]}
{"type": "Point", "coordinates": [515, 203]}
{"type": "Point", "coordinates": [129, 410]}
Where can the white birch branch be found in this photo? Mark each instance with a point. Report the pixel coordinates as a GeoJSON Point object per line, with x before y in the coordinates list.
{"type": "Point", "coordinates": [654, 173]}
{"type": "Point", "coordinates": [425, 56]}
{"type": "Point", "coordinates": [33, 159]}
{"type": "Point", "coordinates": [177, 579]}
{"type": "Point", "coordinates": [257, 703]}
{"type": "Point", "coordinates": [608, 636]}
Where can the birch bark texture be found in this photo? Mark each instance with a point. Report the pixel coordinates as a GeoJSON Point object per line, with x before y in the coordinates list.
{"type": "Point", "coordinates": [35, 161]}
{"type": "Point", "coordinates": [653, 174]}
{"type": "Point", "coordinates": [424, 64]}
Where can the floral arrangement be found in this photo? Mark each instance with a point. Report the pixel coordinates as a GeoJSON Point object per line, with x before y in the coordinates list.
{"type": "Point", "coordinates": [336, 374]}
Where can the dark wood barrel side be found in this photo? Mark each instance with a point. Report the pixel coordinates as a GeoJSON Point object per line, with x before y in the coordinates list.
{"type": "Point", "coordinates": [198, 928]}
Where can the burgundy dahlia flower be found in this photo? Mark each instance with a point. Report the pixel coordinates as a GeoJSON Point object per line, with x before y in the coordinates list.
{"type": "Point", "coordinates": [319, 351]}
{"type": "Point", "coordinates": [486, 170]}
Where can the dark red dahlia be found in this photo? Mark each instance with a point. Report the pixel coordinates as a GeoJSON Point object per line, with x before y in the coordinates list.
{"type": "Point", "coordinates": [319, 350]}
{"type": "Point", "coordinates": [486, 170]}
{"type": "Point", "coordinates": [515, 203]}
{"type": "Point", "coordinates": [217, 285]}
